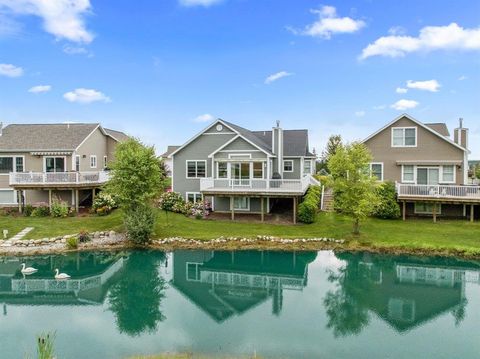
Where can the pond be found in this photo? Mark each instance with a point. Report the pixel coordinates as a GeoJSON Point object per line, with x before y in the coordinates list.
{"type": "Point", "coordinates": [275, 304]}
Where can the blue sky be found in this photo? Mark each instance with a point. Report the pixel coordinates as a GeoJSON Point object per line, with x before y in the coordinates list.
{"type": "Point", "coordinates": [160, 70]}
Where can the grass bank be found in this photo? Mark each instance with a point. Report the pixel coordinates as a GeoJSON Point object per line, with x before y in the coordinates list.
{"type": "Point", "coordinates": [414, 235]}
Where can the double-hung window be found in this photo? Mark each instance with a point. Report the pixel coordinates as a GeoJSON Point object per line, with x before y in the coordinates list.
{"type": "Point", "coordinates": [448, 174]}
{"type": "Point", "coordinates": [404, 137]}
{"type": "Point", "coordinates": [194, 197]}
{"type": "Point", "coordinates": [376, 170]}
{"type": "Point", "coordinates": [196, 169]}
{"type": "Point", "coordinates": [222, 169]}
{"type": "Point", "coordinates": [257, 169]}
{"type": "Point", "coordinates": [307, 167]}
{"type": "Point", "coordinates": [93, 161]}
{"type": "Point", "coordinates": [408, 174]}
{"type": "Point", "coordinates": [19, 166]}
{"type": "Point", "coordinates": [288, 166]}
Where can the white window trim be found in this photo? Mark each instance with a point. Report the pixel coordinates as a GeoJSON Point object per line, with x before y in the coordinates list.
{"type": "Point", "coordinates": [197, 265]}
{"type": "Point", "coordinates": [196, 169]}
{"type": "Point", "coordinates": [414, 181]}
{"type": "Point", "coordinates": [293, 166]}
{"type": "Point", "coordinates": [305, 160]}
{"type": "Point", "coordinates": [454, 174]}
{"type": "Point", "coordinates": [241, 209]}
{"type": "Point", "coordinates": [75, 163]}
{"type": "Point", "coordinates": [14, 164]}
{"type": "Point", "coordinates": [15, 200]}
{"type": "Point", "coordinates": [217, 165]}
{"type": "Point", "coordinates": [371, 171]}
{"type": "Point", "coordinates": [439, 209]}
{"type": "Point", "coordinates": [240, 155]}
{"type": "Point", "coordinates": [45, 162]}
{"type": "Point", "coordinates": [195, 195]}
{"type": "Point", "coordinates": [404, 128]}
{"type": "Point", "coordinates": [93, 157]}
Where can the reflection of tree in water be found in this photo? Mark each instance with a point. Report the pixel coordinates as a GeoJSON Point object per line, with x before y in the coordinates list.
{"type": "Point", "coordinates": [346, 315]}
{"type": "Point", "coordinates": [135, 299]}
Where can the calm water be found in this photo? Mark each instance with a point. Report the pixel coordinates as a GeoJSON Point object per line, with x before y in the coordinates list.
{"type": "Point", "coordinates": [277, 304]}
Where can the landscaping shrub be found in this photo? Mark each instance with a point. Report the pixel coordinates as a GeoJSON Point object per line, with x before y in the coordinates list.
{"type": "Point", "coordinates": [139, 224]}
{"type": "Point", "coordinates": [27, 210]}
{"type": "Point", "coordinates": [72, 243]}
{"type": "Point", "coordinates": [41, 211]}
{"type": "Point", "coordinates": [84, 236]}
{"type": "Point", "coordinates": [169, 201]}
{"type": "Point", "coordinates": [103, 203]}
{"type": "Point", "coordinates": [307, 210]}
{"type": "Point", "coordinates": [387, 207]}
{"type": "Point", "coordinates": [45, 346]}
{"type": "Point", "coordinates": [59, 209]}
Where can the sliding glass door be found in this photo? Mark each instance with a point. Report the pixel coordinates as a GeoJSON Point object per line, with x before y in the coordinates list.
{"type": "Point", "coordinates": [428, 176]}
{"type": "Point", "coordinates": [54, 164]}
{"type": "Point", "coordinates": [240, 173]}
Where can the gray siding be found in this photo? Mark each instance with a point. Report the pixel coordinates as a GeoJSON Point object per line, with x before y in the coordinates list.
{"type": "Point", "coordinates": [296, 169]}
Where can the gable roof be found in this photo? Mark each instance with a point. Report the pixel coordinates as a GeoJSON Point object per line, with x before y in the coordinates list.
{"type": "Point", "coordinates": [116, 135]}
{"type": "Point", "coordinates": [419, 124]}
{"type": "Point", "coordinates": [441, 128]}
{"type": "Point", "coordinates": [295, 142]}
{"type": "Point", "coordinates": [49, 137]}
{"type": "Point", "coordinates": [169, 151]}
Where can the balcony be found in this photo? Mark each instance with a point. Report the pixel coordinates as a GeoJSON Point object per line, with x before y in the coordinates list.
{"type": "Point", "coordinates": [57, 179]}
{"type": "Point", "coordinates": [257, 186]}
{"type": "Point", "coordinates": [447, 193]}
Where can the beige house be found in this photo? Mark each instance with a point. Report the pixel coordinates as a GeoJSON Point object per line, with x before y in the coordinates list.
{"type": "Point", "coordinates": [430, 169]}
{"type": "Point", "coordinates": [40, 162]}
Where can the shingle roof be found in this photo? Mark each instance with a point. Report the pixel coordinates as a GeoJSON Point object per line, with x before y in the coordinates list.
{"type": "Point", "coordinates": [295, 142]}
{"type": "Point", "coordinates": [169, 150]}
{"type": "Point", "coordinates": [441, 128]}
{"type": "Point", "coordinates": [118, 135]}
{"type": "Point", "coordinates": [40, 137]}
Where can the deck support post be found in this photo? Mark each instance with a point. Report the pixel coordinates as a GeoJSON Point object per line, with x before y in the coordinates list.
{"type": "Point", "coordinates": [231, 207]}
{"type": "Point", "coordinates": [76, 201]}
{"type": "Point", "coordinates": [404, 210]}
{"type": "Point", "coordinates": [294, 210]}
{"type": "Point", "coordinates": [93, 195]}
{"type": "Point", "coordinates": [472, 212]}
{"type": "Point", "coordinates": [434, 212]}
{"type": "Point", "coordinates": [50, 199]}
{"type": "Point", "coordinates": [262, 210]}
{"type": "Point", "coordinates": [19, 200]}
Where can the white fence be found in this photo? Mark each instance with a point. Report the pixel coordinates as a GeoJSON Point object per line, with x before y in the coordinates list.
{"type": "Point", "coordinates": [34, 178]}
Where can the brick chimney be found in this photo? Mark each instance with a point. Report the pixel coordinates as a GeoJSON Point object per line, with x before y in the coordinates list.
{"type": "Point", "coordinates": [277, 147]}
{"type": "Point", "coordinates": [460, 134]}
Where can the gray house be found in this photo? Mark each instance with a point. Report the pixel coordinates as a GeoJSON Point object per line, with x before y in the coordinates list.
{"type": "Point", "coordinates": [430, 169]}
{"type": "Point", "coordinates": [243, 171]}
{"type": "Point", "coordinates": [39, 162]}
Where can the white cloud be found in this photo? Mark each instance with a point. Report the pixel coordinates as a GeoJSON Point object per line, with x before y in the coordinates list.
{"type": "Point", "coordinates": [10, 70]}
{"type": "Point", "coordinates": [62, 18]}
{"type": "Point", "coordinates": [404, 104]}
{"type": "Point", "coordinates": [463, 77]}
{"type": "Point", "coordinates": [360, 113]}
{"type": "Point", "coordinates": [204, 118]}
{"type": "Point", "coordinates": [379, 107]}
{"type": "Point", "coordinates": [205, 3]}
{"type": "Point", "coordinates": [329, 23]}
{"type": "Point", "coordinates": [397, 30]}
{"type": "Point", "coordinates": [75, 50]}
{"type": "Point", "coordinates": [277, 76]}
{"type": "Point", "coordinates": [82, 95]}
{"type": "Point", "coordinates": [429, 85]}
{"type": "Point", "coordinates": [401, 90]}
{"type": "Point", "coordinates": [40, 89]}
{"type": "Point", "coordinates": [450, 37]}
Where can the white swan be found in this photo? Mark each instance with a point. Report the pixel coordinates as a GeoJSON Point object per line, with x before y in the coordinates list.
{"type": "Point", "coordinates": [29, 270]}
{"type": "Point", "coordinates": [61, 275]}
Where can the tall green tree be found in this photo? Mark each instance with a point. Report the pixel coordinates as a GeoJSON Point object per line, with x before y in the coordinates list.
{"type": "Point", "coordinates": [137, 177]}
{"type": "Point", "coordinates": [354, 186]}
{"type": "Point", "coordinates": [334, 142]}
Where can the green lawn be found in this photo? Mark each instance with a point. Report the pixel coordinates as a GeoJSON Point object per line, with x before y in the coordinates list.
{"type": "Point", "coordinates": [412, 234]}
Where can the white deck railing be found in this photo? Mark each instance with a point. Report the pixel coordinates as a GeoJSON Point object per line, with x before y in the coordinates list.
{"type": "Point", "coordinates": [257, 185]}
{"type": "Point", "coordinates": [438, 191]}
{"type": "Point", "coordinates": [57, 178]}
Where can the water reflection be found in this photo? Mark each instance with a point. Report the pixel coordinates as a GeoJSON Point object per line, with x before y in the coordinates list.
{"type": "Point", "coordinates": [404, 291]}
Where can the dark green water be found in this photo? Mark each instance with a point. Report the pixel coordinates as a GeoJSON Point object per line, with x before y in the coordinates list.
{"type": "Point", "coordinates": [275, 304]}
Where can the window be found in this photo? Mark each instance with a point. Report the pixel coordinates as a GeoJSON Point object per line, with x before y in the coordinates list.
{"type": "Point", "coordinates": [401, 309]}
{"type": "Point", "coordinates": [222, 170]}
{"type": "Point", "coordinates": [307, 166]}
{"type": "Point", "coordinates": [427, 208]}
{"type": "Point", "coordinates": [288, 166]}
{"type": "Point", "coordinates": [54, 164]}
{"type": "Point", "coordinates": [448, 174]}
{"type": "Point", "coordinates": [257, 169]}
{"type": "Point", "coordinates": [77, 163]}
{"type": "Point", "coordinates": [193, 271]}
{"type": "Point", "coordinates": [8, 196]}
{"type": "Point", "coordinates": [93, 161]}
{"type": "Point", "coordinates": [105, 160]}
{"type": "Point", "coordinates": [196, 169]}
{"type": "Point", "coordinates": [408, 174]}
{"type": "Point", "coordinates": [404, 137]}
{"type": "Point", "coordinates": [6, 164]}
{"type": "Point", "coordinates": [19, 164]}
{"type": "Point", "coordinates": [241, 203]}
{"type": "Point", "coordinates": [194, 197]}
{"type": "Point", "coordinates": [376, 170]}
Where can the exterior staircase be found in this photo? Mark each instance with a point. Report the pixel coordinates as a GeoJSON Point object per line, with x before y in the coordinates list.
{"type": "Point", "coordinates": [327, 201]}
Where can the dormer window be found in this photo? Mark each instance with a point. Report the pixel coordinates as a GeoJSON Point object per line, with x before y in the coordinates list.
{"type": "Point", "coordinates": [404, 137]}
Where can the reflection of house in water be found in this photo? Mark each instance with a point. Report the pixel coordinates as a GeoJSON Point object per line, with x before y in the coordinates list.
{"type": "Point", "coordinates": [406, 291]}
{"type": "Point", "coordinates": [92, 274]}
{"type": "Point", "coordinates": [224, 284]}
